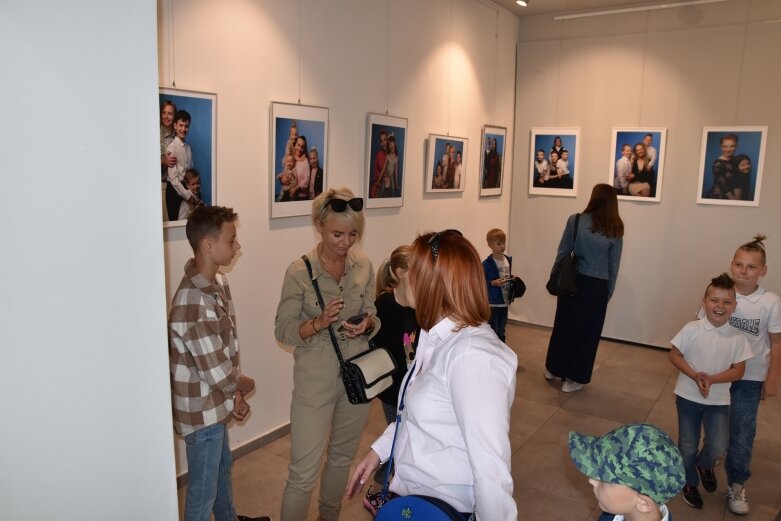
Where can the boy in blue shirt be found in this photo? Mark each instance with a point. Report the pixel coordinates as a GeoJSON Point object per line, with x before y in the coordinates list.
{"type": "Point", "coordinates": [497, 267]}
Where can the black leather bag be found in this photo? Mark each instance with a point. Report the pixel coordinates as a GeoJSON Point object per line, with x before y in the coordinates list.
{"type": "Point", "coordinates": [366, 374]}
{"type": "Point", "coordinates": [563, 278]}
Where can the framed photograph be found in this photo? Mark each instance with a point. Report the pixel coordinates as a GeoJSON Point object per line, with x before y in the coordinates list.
{"type": "Point", "coordinates": [492, 160]}
{"type": "Point", "coordinates": [188, 147]}
{"type": "Point", "coordinates": [386, 144]}
{"type": "Point", "coordinates": [637, 163]}
{"type": "Point", "coordinates": [299, 157]}
{"type": "Point", "coordinates": [446, 163]}
{"type": "Point", "coordinates": [731, 164]}
{"type": "Point", "coordinates": [554, 161]}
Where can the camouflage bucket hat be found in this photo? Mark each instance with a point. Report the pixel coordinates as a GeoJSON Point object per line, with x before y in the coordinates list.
{"type": "Point", "coordinates": [637, 455]}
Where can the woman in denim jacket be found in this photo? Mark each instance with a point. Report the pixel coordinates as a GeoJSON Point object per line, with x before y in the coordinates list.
{"type": "Point", "coordinates": [578, 324]}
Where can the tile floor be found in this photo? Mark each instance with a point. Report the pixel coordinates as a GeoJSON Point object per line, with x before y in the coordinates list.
{"type": "Point", "coordinates": [629, 384]}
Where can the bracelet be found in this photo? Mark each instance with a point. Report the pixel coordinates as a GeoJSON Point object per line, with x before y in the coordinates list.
{"type": "Point", "coordinates": [312, 323]}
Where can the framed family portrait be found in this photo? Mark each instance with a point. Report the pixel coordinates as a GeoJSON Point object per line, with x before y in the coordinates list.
{"type": "Point", "coordinates": [637, 163]}
{"type": "Point", "coordinates": [492, 160]}
{"type": "Point", "coordinates": [446, 163]}
{"type": "Point", "coordinates": [188, 149]}
{"type": "Point", "coordinates": [298, 156]}
{"type": "Point", "coordinates": [554, 161]}
{"type": "Point", "coordinates": [731, 164]}
{"type": "Point", "coordinates": [386, 144]}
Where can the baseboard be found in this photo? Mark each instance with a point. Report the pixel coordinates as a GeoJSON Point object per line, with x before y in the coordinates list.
{"type": "Point", "coordinates": [247, 448]}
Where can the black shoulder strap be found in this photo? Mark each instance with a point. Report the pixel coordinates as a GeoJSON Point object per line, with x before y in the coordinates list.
{"type": "Point", "coordinates": [575, 233]}
{"type": "Point", "coordinates": [331, 333]}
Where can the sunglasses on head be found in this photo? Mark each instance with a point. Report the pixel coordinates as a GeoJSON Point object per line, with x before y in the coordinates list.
{"type": "Point", "coordinates": [433, 242]}
{"type": "Point", "coordinates": [340, 205]}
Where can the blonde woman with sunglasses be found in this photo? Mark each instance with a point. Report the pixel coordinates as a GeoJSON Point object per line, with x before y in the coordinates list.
{"type": "Point", "coordinates": [322, 420]}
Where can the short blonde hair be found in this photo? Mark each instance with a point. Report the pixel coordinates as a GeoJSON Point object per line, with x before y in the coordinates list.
{"type": "Point", "coordinates": [495, 234]}
{"type": "Point", "coordinates": [322, 211]}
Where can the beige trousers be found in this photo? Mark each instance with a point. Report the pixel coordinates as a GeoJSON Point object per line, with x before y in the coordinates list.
{"type": "Point", "coordinates": [321, 420]}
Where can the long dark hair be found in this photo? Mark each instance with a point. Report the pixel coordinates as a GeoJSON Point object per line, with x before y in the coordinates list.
{"type": "Point", "coordinates": [603, 207]}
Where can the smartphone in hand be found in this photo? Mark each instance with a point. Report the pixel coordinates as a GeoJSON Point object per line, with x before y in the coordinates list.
{"type": "Point", "coordinates": [354, 320]}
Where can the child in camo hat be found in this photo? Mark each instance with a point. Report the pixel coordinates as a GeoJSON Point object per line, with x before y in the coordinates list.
{"type": "Point", "coordinates": [634, 469]}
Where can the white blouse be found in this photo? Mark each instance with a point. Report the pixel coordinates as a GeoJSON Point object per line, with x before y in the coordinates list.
{"type": "Point", "coordinates": [453, 440]}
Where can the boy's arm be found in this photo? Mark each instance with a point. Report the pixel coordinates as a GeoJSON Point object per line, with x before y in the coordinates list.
{"type": "Point", "coordinates": [770, 387]}
{"type": "Point", "coordinates": [735, 372]}
{"type": "Point", "coordinates": [679, 362]}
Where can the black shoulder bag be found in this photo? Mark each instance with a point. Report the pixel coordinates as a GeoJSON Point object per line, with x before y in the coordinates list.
{"type": "Point", "coordinates": [517, 286]}
{"type": "Point", "coordinates": [366, 374]}
{"type": "Point", "coordinates": [563, 278]}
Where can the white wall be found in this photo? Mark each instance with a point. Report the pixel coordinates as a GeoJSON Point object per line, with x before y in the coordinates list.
{"type": "Point", "coordinates": [83, 364]}
{"type": "Point", "coordinates": [678, 68]}
{"type": "Point", "coordinates": [247, 52]}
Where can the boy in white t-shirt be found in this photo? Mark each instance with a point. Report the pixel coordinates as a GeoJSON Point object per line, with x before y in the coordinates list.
{"type": "Point", "coordinates": [709, 353]}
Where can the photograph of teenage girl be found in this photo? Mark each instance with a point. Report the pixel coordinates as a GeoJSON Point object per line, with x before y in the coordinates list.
{"type": "Point", "coordinates": [636, 163]}
{"type": "Point", "coordinates": [200, 138]}
{"type": "Point", "coordinates": [731, 166]}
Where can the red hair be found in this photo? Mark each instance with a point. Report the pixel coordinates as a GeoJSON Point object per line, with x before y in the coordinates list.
{"type": "Point", "coordinates": [451, 286]}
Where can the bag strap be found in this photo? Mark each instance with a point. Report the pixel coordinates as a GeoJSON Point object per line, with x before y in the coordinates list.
{"type": "Point", "coordinates": [575, 236]}
{"type": "Point", "coordinates": [331, 333]}
{"type": "Point", "coordinates": [389, 471]}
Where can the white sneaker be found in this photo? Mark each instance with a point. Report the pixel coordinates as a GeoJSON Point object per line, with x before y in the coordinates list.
{"type": "Point", "coordinates": [549, 375]}
{"type": "Point", "coordinates": [570, 386]}
{"type": "Point", "coordinates": [736, 499]}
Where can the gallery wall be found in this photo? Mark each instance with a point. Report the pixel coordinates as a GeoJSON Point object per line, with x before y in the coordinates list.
{"type": "Point", "coordinates": [446, 65]}
{"type": "Point", "coordinates": [83, 366]}
{"type": "Point", "coordinates": [682, 68]}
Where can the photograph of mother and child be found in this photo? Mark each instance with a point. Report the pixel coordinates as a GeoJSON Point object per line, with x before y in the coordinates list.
{"type": "Point", "coordinates": [731, 166]}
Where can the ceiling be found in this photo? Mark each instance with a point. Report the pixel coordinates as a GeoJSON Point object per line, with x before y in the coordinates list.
{"type": "Point", "coordinates": [566, 6]}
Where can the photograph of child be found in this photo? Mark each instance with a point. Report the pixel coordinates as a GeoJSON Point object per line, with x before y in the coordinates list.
{"type": "Point", "coordinates": [731, 165]}
{"type": "Point", "coordinates": [191, 145]}
{"type": "Point", "coordinates": [553, 162]}
{"type": "Point", "coordinates": [637, 163]}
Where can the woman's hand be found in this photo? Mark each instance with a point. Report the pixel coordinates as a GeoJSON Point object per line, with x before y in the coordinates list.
{"type": "Point", "coordinates": [353, 330]}
{"type": "Point", "coordinates": [330, 314]}
{"type": "Point", "coordinates": [362, 473]}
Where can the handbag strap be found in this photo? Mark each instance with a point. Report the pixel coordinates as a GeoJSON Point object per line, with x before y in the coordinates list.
{"type": "Point", "coordinates": [391, 463]}
{"type": "Point", "coordinates": [331, 333]}
{"type": "Point", "coordinates": [575, 236]}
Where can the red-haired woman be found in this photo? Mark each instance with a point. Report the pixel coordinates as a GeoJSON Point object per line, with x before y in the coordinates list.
{"type": "Point", "coordinates": [579, 319]}
{"type": "Point", "coordinates": [453, 434]}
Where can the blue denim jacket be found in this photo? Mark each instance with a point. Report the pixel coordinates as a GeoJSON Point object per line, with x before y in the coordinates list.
{"type": "Point", "coordinates": [492, 273]}
{"type": "Point", "coordinates": [599, 256]}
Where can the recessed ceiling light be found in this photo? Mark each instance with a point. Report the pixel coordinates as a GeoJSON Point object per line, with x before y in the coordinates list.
{"type": "Point", "coordinates": [522, 3]}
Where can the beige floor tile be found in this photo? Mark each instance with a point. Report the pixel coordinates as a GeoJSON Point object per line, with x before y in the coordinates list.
{"type": "Point", "coordinates": [547, 467]}
{"type": "Point", "coordinates": [619, 406]}
{"type": "Point", "coordinates": [557, 428]}
{"type": "Point", "coordinates": [535, 505]}
{"type": "Point", "coordinates": [527, 416]}
{"type": "Point", "coordinates": [647, 385]}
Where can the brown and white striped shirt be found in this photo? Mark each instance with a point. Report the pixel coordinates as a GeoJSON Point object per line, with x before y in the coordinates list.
{"type": "Point", "coordinates": [204, 351]}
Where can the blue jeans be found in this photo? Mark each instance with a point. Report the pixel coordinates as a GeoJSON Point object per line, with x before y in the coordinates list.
{"type": "Point", "coordinates": [499, 320]}
{"type": "Point", "coordinates": [209, 463]}
{"type": "Point", "coordinates": [692, 416]}
{"type": "Point", "coordinates": [745, 395]}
